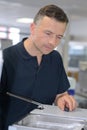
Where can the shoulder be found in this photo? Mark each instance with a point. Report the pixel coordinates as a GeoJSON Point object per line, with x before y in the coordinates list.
{"type": "Point", "coordinates": [11, 48]}
{"type": "Point", "coordinates": [14, 49]}
{"type": "Point", "coordinates": [10, 51]}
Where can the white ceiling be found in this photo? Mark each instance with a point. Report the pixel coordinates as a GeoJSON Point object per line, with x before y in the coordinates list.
{"type": "Point", "coordinates": [10, 10]}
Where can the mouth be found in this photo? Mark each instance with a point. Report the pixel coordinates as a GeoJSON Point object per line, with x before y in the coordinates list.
{"type": "Point", "coordinates": [48, 48]}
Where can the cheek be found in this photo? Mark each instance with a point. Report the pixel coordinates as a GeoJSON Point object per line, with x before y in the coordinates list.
{"type": "Point", "coordinates": [40, 37]}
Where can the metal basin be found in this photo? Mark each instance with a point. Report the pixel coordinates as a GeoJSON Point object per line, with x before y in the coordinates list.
{"type": "Point", "coordinates": [52, 122]}
{"type": "Point", "coordinates": [52, 118]}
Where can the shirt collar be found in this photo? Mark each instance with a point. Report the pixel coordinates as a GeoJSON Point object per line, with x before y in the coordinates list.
{"type": "Point", "coordinates": [27, 56]}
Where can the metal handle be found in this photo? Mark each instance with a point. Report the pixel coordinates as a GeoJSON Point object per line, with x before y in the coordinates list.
{"type": "Point", "coordinates": [40, 106]}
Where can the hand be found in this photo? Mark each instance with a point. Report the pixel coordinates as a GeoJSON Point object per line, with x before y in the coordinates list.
{"type": "Point", "coordinates": [66, 100]}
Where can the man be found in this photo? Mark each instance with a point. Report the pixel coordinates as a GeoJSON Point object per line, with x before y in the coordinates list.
{"type": "Point", "coordinates": [33, 69]}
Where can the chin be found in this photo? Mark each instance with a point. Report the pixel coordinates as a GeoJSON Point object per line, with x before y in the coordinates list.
{"type": "Point", "coordinates": [45, 53]}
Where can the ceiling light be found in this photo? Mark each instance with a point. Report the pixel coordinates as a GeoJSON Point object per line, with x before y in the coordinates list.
{"type": "Point", "coordinates": [25, 20]}
{"type": "Point", "coordinates": [14, 30]}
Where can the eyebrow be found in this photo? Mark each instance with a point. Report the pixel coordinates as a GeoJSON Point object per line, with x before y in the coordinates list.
{"type": "Point", "coordinates": [54, 33]}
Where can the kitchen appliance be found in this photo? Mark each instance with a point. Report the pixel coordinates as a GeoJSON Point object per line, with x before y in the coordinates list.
{"type": "Point", "coordinates": [52, 118]}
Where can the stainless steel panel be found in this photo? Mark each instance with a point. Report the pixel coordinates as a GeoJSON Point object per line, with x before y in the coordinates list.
{"type": "Point", "coordinates": [52, 118]}
{"type": "Point", "coordinates": [53, 122]}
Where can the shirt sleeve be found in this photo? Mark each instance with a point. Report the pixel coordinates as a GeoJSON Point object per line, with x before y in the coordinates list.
{"type": "Point", "coordinates": [63, 79]}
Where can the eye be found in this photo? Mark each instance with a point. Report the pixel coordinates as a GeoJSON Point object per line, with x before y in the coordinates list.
{"type": "Point", "coordinates": [48, 33]}
{"type": "Point", "coordinates": [59, 37]}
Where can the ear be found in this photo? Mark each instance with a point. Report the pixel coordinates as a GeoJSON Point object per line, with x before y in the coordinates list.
{"type": "Point", "coordinates": [32, 28]}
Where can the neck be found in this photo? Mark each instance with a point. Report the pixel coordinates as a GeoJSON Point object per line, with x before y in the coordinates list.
{"type": "Point", "coordinates": [32, 50]}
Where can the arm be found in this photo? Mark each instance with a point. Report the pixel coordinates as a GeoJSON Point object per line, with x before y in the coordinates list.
{"type": "Point", "coordinates": [65, 100]}
{"type": "Point", "coordinates": [2, 95]}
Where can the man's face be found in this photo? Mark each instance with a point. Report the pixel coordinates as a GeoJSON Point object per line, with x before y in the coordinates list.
{"type": "Point", "coordinates": [46, 35]}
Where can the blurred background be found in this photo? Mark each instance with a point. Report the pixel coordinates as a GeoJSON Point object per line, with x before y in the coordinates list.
{"type": "Point", "coordinates": [16, 16]}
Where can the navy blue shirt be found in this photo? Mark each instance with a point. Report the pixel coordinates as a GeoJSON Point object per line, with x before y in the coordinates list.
{"type": "Point", "coordinates": [22, 76]}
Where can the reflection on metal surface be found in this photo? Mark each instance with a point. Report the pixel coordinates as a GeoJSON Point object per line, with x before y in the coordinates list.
{"type": "Point", "coordinates": [52, 118]}
{"type": "Point", "coordinates": [52, 122]}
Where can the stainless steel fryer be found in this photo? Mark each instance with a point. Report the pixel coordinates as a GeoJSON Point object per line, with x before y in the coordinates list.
{"type": "Point", "coordinates": [52, 118]}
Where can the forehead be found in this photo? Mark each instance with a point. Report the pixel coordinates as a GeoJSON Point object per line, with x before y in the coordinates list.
{"type": "Point", "coordinates": [47, 23]}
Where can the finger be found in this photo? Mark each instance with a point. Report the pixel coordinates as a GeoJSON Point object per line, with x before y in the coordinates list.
{"type": "Point", "coordinates": [73, 101]}
{"type": "Point", "coordinates": [70, 102]}
{"type": "Point", "coordinates": [61, 103]}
